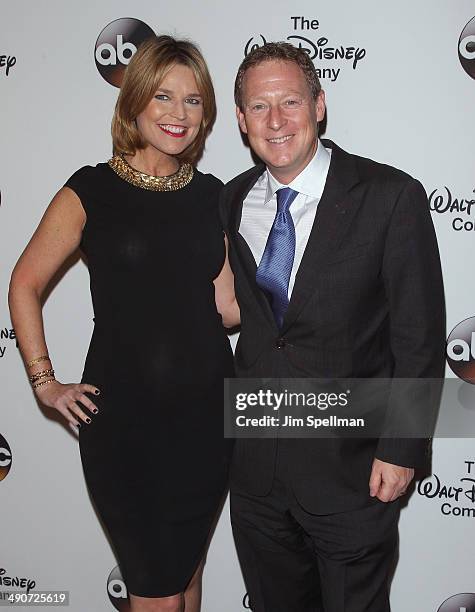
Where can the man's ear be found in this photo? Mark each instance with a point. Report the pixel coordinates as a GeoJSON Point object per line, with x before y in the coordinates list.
{"type": "Point", "coordinates": [320, 106]}
{"type": "Point", "coordinates": [241, 120]}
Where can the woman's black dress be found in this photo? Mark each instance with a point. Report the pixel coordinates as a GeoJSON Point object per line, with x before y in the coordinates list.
{"type": "Point", "coordinates": [154, 457]}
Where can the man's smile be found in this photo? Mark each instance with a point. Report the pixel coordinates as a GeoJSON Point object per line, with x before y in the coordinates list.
{"type": "Point", "coordinates": [280, 139]}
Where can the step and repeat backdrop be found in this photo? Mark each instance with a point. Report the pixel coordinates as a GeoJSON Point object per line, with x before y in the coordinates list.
{"type": "Point", "coordinates": [400, 85]}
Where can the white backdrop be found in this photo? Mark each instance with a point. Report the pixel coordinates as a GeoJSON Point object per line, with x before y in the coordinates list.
{"type": "Point", "coordinates": [408, 102]}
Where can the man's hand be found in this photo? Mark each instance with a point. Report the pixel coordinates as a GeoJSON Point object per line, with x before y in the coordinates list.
{"type": "Point", "coordinates": [388, 481]}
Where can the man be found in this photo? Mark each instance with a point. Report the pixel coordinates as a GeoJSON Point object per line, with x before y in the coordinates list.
{"type": "Point", "coordinates": [337, 274]}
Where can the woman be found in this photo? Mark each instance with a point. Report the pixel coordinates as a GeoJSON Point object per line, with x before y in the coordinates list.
{"type": "Point", "coordinates": [151, 442]}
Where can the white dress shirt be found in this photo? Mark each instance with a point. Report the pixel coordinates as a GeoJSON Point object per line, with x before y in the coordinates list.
{"type": "Point", "coordinates": [260, 207]}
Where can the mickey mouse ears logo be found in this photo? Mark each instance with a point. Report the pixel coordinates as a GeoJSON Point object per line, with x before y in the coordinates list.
{"type": "Point", "coordinates": [116, 45]}
{"type": "Point", "coordinates": [254, 43]}
{"type": "Point", "coordinates": [467, 48]}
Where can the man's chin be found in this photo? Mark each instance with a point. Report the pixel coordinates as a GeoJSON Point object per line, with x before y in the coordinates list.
{"type": "Point", "coordinates": [279, 163]}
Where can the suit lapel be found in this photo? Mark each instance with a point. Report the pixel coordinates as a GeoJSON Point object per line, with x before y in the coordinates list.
{"type": "Point", "coordinates": [334, 215]}
{"type": "Point", "coordinates": [242, 249]}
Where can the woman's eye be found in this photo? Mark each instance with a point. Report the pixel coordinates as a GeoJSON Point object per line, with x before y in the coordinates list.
{"type": "Point", "coordinates": [162, 97]}
{"type": "Point", "coordinates": [193, 101]}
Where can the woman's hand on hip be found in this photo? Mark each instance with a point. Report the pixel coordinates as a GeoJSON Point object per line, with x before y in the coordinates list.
{"type": "Point", "coordinates": [64, 398]}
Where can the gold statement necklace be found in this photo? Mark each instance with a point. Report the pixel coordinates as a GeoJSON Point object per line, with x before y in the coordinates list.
{"type": "Point", "coordinates": [172, 182]}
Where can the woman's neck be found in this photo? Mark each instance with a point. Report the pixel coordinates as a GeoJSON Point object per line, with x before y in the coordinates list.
{"type": "Point", "coordinates": [153, 162]}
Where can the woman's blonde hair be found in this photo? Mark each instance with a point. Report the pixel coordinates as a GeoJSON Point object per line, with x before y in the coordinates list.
{"type": "Point", "coordinates": [142, 77]}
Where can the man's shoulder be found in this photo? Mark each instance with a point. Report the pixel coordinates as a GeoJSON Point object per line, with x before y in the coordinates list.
{"type": "Point", "coordinates": [372, 171]}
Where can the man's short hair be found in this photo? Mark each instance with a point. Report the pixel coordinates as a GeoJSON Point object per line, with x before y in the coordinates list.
{"type": "Point", "coordinates": [278, 51]}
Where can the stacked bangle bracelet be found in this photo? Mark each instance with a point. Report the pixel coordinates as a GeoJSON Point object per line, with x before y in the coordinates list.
{"type": "Point", "coordinates": [35, 378]}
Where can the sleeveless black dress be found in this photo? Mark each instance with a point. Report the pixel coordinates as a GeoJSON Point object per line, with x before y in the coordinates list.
{"type": "Point", "coordinates": [154, 457]}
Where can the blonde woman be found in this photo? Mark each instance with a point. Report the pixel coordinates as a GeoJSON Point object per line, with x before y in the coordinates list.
{"type": "Point", "coordinates": [149, 404]}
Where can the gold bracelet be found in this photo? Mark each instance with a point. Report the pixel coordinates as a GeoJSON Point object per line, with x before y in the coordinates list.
{"type": "Point", "coordinates": [42, 374]}
{"type": "Point", "coordinates": [45, 382]}
{"type": "Point", "coordinates": [37, 360]}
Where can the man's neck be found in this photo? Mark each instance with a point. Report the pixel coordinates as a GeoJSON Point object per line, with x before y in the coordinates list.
{"type": "Point", "coordinates": [285, 177]}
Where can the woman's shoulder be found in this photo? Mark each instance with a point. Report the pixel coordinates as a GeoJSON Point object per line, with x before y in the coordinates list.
{"type": "Point", "coordinates": [88, 173]}
{"type": "Point", "coordinates": [87, 178]}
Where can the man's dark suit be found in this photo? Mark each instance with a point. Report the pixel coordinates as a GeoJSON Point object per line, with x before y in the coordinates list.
{"type": "Point", "coordinates": [367, 302]}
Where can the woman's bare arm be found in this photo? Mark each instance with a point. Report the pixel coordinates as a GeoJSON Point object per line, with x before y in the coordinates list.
{"type": "Point", "coordinates": [57, 236]}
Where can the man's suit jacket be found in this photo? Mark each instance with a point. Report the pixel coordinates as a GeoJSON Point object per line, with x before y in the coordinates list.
{"type": "Point", "coordinates": [367, 302]}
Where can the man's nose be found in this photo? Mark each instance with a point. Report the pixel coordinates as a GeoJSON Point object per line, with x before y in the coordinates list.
{"type": "Point", "coordinates": [276, 118]}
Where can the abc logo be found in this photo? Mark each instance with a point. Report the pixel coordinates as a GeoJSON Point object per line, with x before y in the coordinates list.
{"type": "Point", "coordinates": [116, 45]}
{"type": "Point", "coordinates": [467, 48]}
{"type": "Point", "coordinates": [117, 591]}
{"type": "Point", "coordinates": [5, 458]}
{"type": "Point", "coordinates": [461, 350]}
{"type": "Point", "coordinates": [463, 602]}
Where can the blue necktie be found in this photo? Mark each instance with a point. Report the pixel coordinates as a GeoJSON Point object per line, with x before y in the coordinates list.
{"type": "Point", "coordinates": [273, 272]}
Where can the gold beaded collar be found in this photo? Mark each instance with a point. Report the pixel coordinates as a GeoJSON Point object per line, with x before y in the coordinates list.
{"type": "Point", "coordinates": [172, 182]}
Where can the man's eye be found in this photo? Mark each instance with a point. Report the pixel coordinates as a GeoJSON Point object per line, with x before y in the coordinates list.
{"type": "Point", "coordinates": [258, 107]}
{"type": "Point", "coordinates": [292, 102]}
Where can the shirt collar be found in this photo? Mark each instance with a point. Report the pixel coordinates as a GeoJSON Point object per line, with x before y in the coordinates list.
{"type": "Point", "coordinates": [310, 182]}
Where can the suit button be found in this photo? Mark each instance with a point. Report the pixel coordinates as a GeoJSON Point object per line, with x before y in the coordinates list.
{"type": "Point", "coordinates": [280, 343]}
